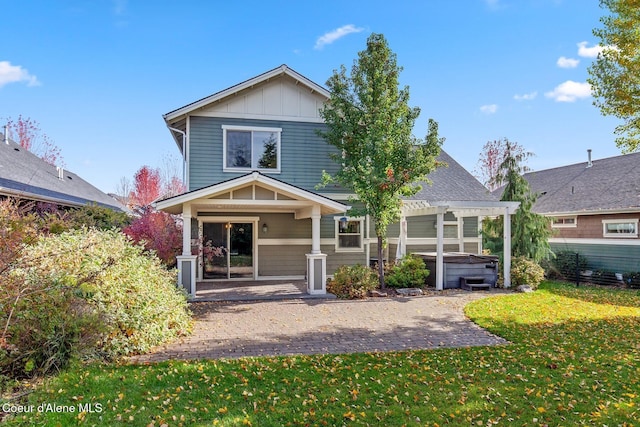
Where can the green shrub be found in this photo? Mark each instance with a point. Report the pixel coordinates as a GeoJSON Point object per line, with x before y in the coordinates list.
{"type": "Point", "coordinates": [526, 272]}
{"type": "Point", "coordinates": [89, 293]}
{"type": "Point", "coordinates": [352, 281]}
{"type": "Point", "coordinates": [408, 272]}
{"type": "Point", "coordinates": [100, 217]}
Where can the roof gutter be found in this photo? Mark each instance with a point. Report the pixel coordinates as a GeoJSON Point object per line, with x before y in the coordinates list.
{"type": "Point", "coordinates": [184, 153]}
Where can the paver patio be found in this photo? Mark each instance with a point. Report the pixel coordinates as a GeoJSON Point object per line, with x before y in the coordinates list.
{"type": "Point", "coordinates": [310, 326]}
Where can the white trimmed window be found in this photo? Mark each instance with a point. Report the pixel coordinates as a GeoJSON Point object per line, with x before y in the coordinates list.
{"type": "Point", "coordinates": [625, 228]}
{"type": "Point", "coordinates": [564, 222]}
{"type": "Point", "coordinates": [349, 237]}
{"type": "Point", "coordinates": [251, 149]}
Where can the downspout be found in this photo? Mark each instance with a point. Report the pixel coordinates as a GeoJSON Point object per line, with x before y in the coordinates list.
{"type": "Point", "coordinates": [184, 155]}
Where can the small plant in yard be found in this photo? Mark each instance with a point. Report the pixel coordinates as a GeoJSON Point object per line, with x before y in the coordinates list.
{"type": "Point", "coordinates": [352, 281]}
{"type": "Point", "coordinates": [409, 272]}
{"type": "Point", "coordinates": [526, 272]}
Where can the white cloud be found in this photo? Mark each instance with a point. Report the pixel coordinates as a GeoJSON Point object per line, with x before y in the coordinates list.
{"type": "Point", "coordinates": [526, 96]}
{"type": "Point", "coordinates": [589, 52]}
{"type": "Point", "coordinates": [567, 62]}
{"type": "Point", "coordinates": [489, 109]}
{"type": "Point", "coordinates": [15, 73]}
{"type": "Point", "coordinates": [570, 91]}
{"type": "Point", "coordinates": [336, 34]}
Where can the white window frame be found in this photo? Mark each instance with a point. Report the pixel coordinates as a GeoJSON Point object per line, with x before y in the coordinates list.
{"type": "Point", "coordinates": [562, 224]}
{"type": "Point", "coordinates": [360, 248]}
{"type": "Point", "coordinates": [225, 128]}
{"type": "Point", "coordinates": [633, 221]}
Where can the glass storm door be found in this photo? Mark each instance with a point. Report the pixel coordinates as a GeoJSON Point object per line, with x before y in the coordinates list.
{"type": "Point", "coordinates": [227, 250]}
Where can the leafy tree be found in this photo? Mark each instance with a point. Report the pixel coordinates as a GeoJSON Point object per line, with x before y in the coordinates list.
{"type": "Point", "coordinates": [146, 187]}
{"type": "Point", "coordinates": [529, 231]}
{"type": "Point", "coordinates": [27, 133]}
{"type": "Point", "coordinates": [615, 75]}
{"type": "Point", "coordinates": [370, 122]}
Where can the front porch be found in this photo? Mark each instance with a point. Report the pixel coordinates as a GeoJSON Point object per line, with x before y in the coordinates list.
{"type": "Point", "coordinates": [254, 290]}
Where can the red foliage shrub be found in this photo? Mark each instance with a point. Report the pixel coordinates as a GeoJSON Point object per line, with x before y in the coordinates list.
{"type": "Point", "coordinates": [159, 232]}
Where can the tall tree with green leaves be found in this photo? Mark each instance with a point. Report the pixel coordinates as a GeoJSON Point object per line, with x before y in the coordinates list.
{"type": "Point", "coordinates": [370, 122]}
{"type": "Point", "coordinates": [530, 231]}
{"type": "Point", "coordinates": [615, 75]}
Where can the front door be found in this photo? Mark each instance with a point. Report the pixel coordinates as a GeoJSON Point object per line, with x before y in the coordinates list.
{"type": "Point", "coordinates": [227, 250]}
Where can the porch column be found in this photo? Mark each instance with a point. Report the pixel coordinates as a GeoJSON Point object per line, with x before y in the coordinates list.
{"type": "Point", "coordinates": [186, 261]}
{"type": "Point", "coordinates": [507, 247]}
{"type": "Point", "coordinates": [460, 233]}
{"type": "Point", "coordinates": [316, 260]}
{"type": "Point", "coordinates": [440, 249]}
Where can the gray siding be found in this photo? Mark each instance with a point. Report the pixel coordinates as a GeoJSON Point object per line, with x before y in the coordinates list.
{"type": "Point", "coordinates": [290, 260]}
{"type": "Point", "coordinates": [303, 153]}
{"type": "Point", "coordinates": [284, 226]}
{"type": "Point", "coordinates": [285, 260]}
{"type": "Point", "coordinates": [335, 260]}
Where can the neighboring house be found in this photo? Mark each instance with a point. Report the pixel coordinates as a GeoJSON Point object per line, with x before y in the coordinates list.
{"type": "Point", "coordinates": [595, 209]}
{"type": "Point", "coordinates": [253, 160]}
{"type": "Point", "coordinates": [26, 176]}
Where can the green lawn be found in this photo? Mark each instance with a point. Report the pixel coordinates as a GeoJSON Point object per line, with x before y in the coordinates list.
{"type": "Point", "coordinates": [575, 360]}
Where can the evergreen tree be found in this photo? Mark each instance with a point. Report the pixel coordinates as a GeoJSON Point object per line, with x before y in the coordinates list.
{"type": "Point", "coordinates": [530, 231]}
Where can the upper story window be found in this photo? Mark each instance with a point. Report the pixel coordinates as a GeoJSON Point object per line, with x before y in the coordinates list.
{"type": "Point", "coordinates": [564, 222]}
{"type": "Point", "coordinates": [251, 148]}
{"type": "Point", "coordinates": [620, 228]}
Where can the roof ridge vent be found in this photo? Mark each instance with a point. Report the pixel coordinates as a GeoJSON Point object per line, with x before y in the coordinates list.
{"type": "Point", "coordinates": [589, 162]}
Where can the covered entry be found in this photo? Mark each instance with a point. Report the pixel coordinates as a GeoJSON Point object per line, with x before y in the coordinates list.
{"type": "Point", "coordinates": [224, 231]}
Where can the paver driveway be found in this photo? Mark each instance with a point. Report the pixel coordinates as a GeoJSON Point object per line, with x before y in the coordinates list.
{"type": "Point", "coordinates": [287, 327]}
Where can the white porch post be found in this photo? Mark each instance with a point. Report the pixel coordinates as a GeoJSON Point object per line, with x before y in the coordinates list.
{"type": "Point", "coordinates": [316, 260]}
{"type": "Point", "coordinates": [186, 261]}
{"type": "Point", "coordinates": [507, 247]}
{"type": "Point", "coordinates": [440, 250]}
{"type": "Point", "coordinates": [460, 233]}
{"type": "Point", "coordinates": [480, 219]}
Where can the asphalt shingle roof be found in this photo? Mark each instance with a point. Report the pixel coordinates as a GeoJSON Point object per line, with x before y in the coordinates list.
{"type": "Point", "coordinates": [453, 182]}
{"type": "Point", "coordinates": [609, 184]}
{"type": "Point", "coordinates": [26, 175]}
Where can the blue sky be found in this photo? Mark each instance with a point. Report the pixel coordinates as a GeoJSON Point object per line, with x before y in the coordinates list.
{"type": "Point", "coordinates": [97, 75]}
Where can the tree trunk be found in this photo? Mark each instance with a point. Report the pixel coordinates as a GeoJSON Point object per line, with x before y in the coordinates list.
{"type": "Point", "coordinates": [381, 263]}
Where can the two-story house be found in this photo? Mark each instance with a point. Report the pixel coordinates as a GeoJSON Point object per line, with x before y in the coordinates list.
{"type": "Point", "coordinates": [253, 160]}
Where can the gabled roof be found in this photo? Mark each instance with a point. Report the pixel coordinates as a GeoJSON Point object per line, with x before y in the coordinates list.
{"type": "Point", "coordinates": [25, 175]}
{"type": "Point", "coordinates": [295, 198]}
{"type": "Point", "coordinates": [278, 71]}
{"type": "Point", "coordinates": [608, 185]}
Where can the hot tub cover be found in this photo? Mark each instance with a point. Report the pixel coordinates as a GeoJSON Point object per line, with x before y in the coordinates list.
{"type": "Point", "coordinates": [459, 257]}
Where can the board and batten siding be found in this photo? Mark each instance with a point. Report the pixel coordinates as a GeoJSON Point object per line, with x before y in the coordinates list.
{"type": "Point", "coordinates": [304, 154]}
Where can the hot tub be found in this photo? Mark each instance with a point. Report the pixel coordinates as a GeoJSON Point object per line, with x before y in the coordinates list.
{"type": "Point", "coordinates": [461, 264]}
